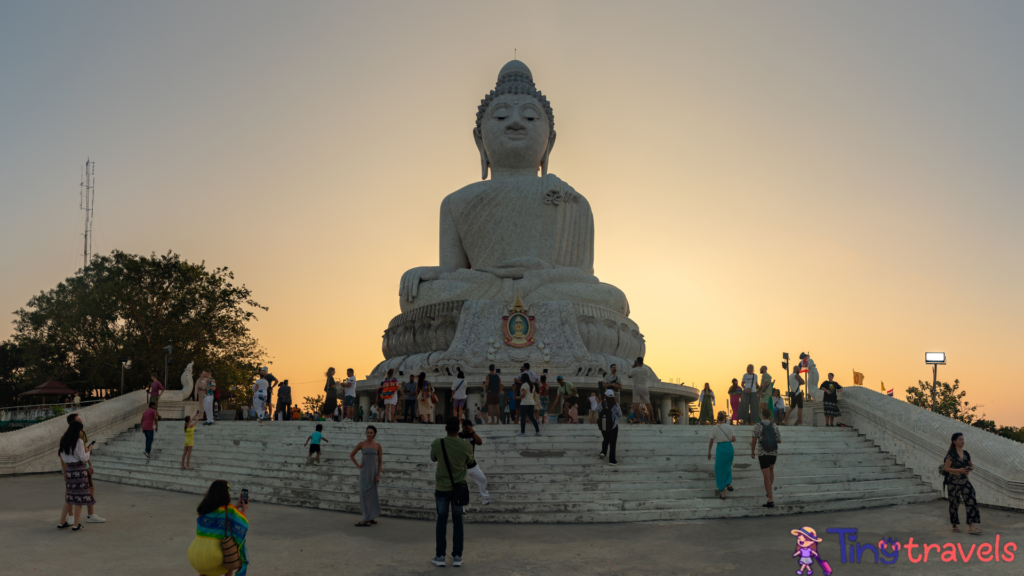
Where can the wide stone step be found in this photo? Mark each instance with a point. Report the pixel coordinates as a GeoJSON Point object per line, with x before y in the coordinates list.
{"type": "Point", "coordinates": [704, 508]}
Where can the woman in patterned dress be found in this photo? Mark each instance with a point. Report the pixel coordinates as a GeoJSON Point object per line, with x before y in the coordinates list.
{"type": "Point", "coordinates": [830, 400]}
{"type": "Point", "coordinates": [958, 466]}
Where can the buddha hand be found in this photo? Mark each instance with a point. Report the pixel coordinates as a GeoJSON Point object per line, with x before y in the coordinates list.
{"type": "Point", "coordinates": [409, 286]}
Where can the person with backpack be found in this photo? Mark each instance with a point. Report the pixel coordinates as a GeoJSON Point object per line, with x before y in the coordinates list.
{"type": "Point", "coordinates": [766, 439]}
{"type": "Point", "coordinates": [608, 423]}
{"type": "Point", "coordinates": [956, 466]}
{"type": "Point", "coordinates": [724, 454]}
{"type": "Point", "coordinates": [453, 456]}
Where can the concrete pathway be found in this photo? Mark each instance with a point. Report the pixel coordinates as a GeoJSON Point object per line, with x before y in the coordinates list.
{"type": "Point", "coordinates": [148, 532]}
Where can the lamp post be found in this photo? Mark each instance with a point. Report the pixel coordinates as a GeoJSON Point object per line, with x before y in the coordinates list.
{"type": "Point", "coordinates": [167, 361]}
{"type": "Point", "coordinates": [935, 358]}
{"type": "Point", "coordinates": [126, 363]}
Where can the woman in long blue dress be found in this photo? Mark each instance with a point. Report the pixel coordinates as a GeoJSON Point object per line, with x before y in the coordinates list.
{"type": "Point", "coordinates": [723, 436]}
{"type": "Point", "coordinates": [369, 475]}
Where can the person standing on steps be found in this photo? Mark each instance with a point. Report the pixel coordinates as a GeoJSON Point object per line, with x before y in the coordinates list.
{"type": "Point", "coordinates": [764, 393]}
{"type": "Point", "coordinates": [766, 440]}
{"type": "Point", "coordinates": [613, 382]}
{"type": "Point", "coordinates": [527, 403]}
{"type": "Point", "coordinates": [957, 466]}
{"type": "Point", "coordinates": [453, 457]}
{"type": "Point", "coordinates": [542, 390]}
{"type": "Point", "coordinates": [494, 392]}
{"type": "Point", "coordinates": [459, 395]}
{"type": "Point", "coordinates": [150, 425]}
{"type": "Point", "coordinates": [796, 394]}
{"type": "Point", "coordinates": [349, 403]}
{"type": "Point", "coordinates": [735, 392]}
{"type": "Point", "coordinates": [390, 395]}
{"type": "Point", "coordinates": [724, 454]}
{"type": "Point", "coordinates": [369, 475]}
{"type": "Point", "coordinates": [409, 400]}
{"type": "Point", "coordinates": [473, 472]}
{"type": "Point", "coordinates": [271, 383]}
{"type": "Point", "coordinates": [830, 400]}
{"type": "Point", "coordinates": [780, 406]}
{"type": "Point", "coordinates": [156, 389]}
{"type": "Point", "coordinates": [608, 424]}
{"type": "Point", "coordinates": [748, 401]}
{"type": "Point", "coordinates": [259, 398]}
{"type": "Point", "coordinates": [595, 404]}
{"type": "Point", "coordinates": [706, 401]}
{"type": "Point", "coordinates": [331, 393]}
{"type": "Point", "coordinates": [426, 398]}
{"type": "Point", "coordinates": [190, 429]}
{"type": "Point", "coordinates": [74, 455]}
{"type": "Point", "coordinates": [566, 396]}
{"type": "Point", "coordinates": [640, 375]}
{"type": "Point", "coordinates": [207, 387]}
{"type": "Point", "coordinates": [284, 400]}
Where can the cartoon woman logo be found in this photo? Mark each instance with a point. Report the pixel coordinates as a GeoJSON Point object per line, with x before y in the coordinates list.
{"type": "Point", "coordinates": [807, 551]}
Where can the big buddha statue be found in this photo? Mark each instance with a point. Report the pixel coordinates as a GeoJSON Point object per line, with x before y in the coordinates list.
{"type": "Point", "coordinates": [523, 230]}
{"type": "Point", "coordinates": [520, 237]}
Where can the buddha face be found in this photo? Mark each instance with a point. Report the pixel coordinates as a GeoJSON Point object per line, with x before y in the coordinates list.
{"type": "Point", "coordinates": [515, 132]}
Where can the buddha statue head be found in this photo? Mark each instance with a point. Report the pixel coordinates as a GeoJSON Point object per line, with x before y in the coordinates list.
{"type": "Point", "coordinates": [515, 128]}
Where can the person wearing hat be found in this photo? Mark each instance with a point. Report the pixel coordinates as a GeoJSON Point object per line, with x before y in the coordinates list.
{"type": "Point", "coordinates": [957, 467]}
{"type": "Point", "coordinates": [608, 423]}
{"type": "Point", "coordinates": [807, 550]}
{"type": "Point", "coordinates": [567, 395]}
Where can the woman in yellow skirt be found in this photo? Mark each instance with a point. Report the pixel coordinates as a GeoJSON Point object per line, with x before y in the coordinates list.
{"type": "Point", "coordinates": [190, 430]}
{"type": "Point", "coordinates": [217, 519]}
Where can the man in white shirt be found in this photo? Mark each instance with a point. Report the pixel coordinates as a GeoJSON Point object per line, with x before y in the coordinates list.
{"type": "Point", "coordinates": [748, 400]}
{"type": "Point", "coordinates": [260, 390]}
{"type": "Point", "coordinates": [639, 375]}
{"type": "Point", "coordinates": [349, 384]}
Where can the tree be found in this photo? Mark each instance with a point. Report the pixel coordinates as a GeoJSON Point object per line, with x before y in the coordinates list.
{"type": "Point", "coordinates": [130, 305]}
{"type": "Point", "coordinates": [12, 373]}
{"type": "Point", "coordinates": [949, 400]}
{"type": "Point", "coordinates": [313, 403]}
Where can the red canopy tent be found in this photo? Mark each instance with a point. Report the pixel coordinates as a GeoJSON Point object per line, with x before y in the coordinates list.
{"type": "Point", "coordinates": [49, 388]}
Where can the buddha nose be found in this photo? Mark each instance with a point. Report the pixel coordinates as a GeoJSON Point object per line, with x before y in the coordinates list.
{"type": "Point", "coordinates": [516, 125]}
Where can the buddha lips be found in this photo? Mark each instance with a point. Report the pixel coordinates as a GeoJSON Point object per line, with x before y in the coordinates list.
{"type": "Point", "coordinates": [887, 550]}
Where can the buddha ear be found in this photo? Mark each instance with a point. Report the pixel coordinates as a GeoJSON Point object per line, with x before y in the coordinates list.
{"type": "Point", "coordinates": [484, 162]}
{"type": "Point", "coordinates": [547, 154]}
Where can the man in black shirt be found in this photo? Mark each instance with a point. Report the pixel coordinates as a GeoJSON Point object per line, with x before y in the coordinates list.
{"type": "Point", "coordinates": [284, 400]}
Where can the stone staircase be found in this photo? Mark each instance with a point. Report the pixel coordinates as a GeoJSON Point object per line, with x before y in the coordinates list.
{"type": "Point", "coordinates": [663, 472]}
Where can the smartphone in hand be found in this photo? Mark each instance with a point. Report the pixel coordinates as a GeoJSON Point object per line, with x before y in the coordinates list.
{"type": "Point", "coordinates": [245, 495]}
{"type": "Point", "coordinates": [91, 444]}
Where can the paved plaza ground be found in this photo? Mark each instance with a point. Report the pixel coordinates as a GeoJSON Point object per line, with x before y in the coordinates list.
{"type": "Point", "coordinates": [148, 532]}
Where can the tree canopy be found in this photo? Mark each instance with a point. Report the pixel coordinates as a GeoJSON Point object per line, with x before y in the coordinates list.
{"type": "Point", "coordinates": [950, 400]}
{"type": "Point", "coordinates": [125, 305]}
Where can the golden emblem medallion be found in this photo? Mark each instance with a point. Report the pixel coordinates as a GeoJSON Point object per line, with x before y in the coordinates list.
{"type": "Point", "coordinates": [518, 325]}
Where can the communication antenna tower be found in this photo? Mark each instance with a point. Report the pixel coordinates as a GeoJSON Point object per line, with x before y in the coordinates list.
{"type": "Point", "coordinates": [86, 202]}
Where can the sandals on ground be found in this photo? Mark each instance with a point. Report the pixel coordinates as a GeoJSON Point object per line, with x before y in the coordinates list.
{"type": "Point", "coordinates": [363, 524]}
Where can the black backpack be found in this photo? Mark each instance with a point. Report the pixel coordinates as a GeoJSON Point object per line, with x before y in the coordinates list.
{"type": "Point", "coordinates": [768, 441]}
{"type": "Point", "coordinates": [604, 418]}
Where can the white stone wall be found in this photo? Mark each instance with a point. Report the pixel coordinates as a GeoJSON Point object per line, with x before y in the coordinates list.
{"type": "Point", "coordinates": [919, 440]}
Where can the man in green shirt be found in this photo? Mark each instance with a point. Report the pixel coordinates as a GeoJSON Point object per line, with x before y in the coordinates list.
{"type": "Point", "coordinates": [460, 454]}
{"type": "Point", "coordinates": [568, 395]}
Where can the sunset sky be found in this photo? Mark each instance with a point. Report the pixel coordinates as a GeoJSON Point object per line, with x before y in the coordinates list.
{"type": "Point", "coordinates": [844, 179]}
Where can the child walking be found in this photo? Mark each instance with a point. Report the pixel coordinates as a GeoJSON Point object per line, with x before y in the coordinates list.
{"type": "Point", "coordinates": [190, 430]}
{"type": "Point", "coordinates": [314, 444]}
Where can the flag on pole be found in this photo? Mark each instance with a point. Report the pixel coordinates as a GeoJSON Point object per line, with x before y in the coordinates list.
{"type": "Point", "coordinates": [858, 378]}
{"type": "Point", "coordinates": [887, 392]}
{"type": "Point", "coordinates": [883, 386]}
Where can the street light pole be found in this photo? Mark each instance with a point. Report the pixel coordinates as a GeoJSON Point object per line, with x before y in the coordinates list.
{"type": "Point", "coordinates": [935, 385]}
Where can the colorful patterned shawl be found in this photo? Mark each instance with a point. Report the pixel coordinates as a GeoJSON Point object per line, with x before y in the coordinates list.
{"type": "Point", "coordinates": [212, 526]}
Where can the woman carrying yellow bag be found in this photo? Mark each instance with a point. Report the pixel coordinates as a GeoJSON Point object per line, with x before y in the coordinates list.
{"type": "Point", "coordinates": [219, 547]}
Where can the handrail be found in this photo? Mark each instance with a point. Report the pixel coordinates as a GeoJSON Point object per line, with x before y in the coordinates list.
{"type": "Point", "coordinates": [64, 405]}
{"type": "Point", "coordinates": [919, 440]}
